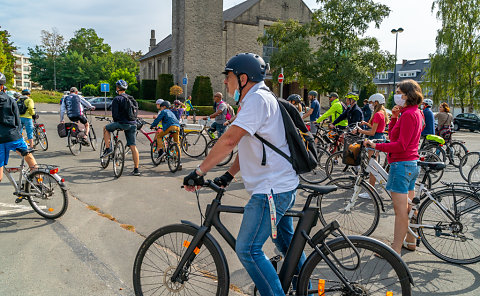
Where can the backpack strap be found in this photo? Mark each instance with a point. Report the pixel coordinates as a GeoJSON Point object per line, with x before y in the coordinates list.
{"type": "Point", "coordinates": [271, 146]}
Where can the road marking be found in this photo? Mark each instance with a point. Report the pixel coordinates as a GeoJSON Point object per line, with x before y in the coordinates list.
{"type": "Point", "coordinates": [48, 112]}
{"type": "Point", "coordinates": [16, 209]}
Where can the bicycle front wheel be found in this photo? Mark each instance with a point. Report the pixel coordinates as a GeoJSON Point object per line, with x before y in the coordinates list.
{"type": "Point", "coordinates": [354, 207]}
{"type": "Point", "coordinates": [334, 167]}
{"type": "Point", "coordinates": [378, 271]}
{"type": "Point", "coordinates": [456, 152]}
{"type": "Point", "coordinates": [92, 138]}
{"type": "Point", "coordinates": [455, 241]}
{"type": "Point", "coordinates": [74, 144]}
{"type": "Point", "coordinates": [41, 138]}
{"type": "Point", "coordinates": [318, 174]}
{"type": "Point", "coordinates": [47, 197]}
{"type": "Point", "coordinates": [173, 157]}
{"type": "Point", "coordinates": [468, 162]}
{"type": "Point", "coordinates": [194, 144]}
{"type": "Point", "coordinates": [118, 159]}
{"type": "Point", "coordinates": [159, 256]}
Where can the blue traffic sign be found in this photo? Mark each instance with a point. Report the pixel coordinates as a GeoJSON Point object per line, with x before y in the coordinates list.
{"type": "Point", "coordinates": [104, 87]}
{"type": "Point", "coordinates": [185, 80]}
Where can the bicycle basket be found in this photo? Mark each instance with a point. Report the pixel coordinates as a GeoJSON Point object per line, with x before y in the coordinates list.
{"type": "Point", "coordinates": [352, 150]}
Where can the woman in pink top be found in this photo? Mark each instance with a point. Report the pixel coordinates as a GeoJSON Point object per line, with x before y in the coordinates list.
{"type": "Point", "coordinates": [377, 127]}
{"type": "Point", "coordinates": [404, 133]}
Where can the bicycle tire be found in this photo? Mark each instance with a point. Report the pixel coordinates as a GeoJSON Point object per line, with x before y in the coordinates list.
{"type": "Point", "coordinates": [334, 167]}
{"type": "Point", "coordinates": [467, 163]}
{"type": "Point", "coordinates": [318, 174]}
{"type": "Point", "coordinates": [194, 144]}
{"type": "Point", "coordinates": [118, 159]}
{"type": "Point", "coordinates": [173, 157]}
{"type": "Point", "coordinates": [358, 218]}
{"type": "Point", "coordinates": [227, 158]}
{"type": "Point", "coordinates": [457, 152]}
{"type": "Point", "coordinates": [52, 200]}
{"type": "Point", "coordinates": [156, 158]}
{"type": "Point", "coordinates": [92, 138]}
{"type": "Point", "coordinates": [104, 161]}
{"type": "Point", "coordinates": [41, 139]}
{"type": "Point", "coordinates": [428, 156]}
{"type": "Point", "coordinates": [159, 255]}
{"type": "Point", "coordinates": [380, 269]}
{"type": "Point", "coordinates": [436, 149]}
{"type": "Point", "coordinates": [446, 242]}
{"type": "Point", "coordinates": [74, 144]}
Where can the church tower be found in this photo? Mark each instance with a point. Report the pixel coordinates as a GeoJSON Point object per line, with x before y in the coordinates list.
{"type": "Point", "coordinates": [197, 27]}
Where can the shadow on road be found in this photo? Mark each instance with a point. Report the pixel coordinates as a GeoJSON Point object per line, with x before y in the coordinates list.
{"type": "Point", "coordinates": [21, 223]}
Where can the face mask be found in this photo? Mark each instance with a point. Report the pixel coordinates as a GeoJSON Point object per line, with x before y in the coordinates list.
{"type": "Point", "coordinates": [422, 107]}
{"type": "Point", "coordinates": [348, 106]}
{"type": "Point", "coordinates": [236, 96]}
{"type": "Point", "coordinates": [371, 107]}
{"type": "Point", "coordinates": [398, 100]}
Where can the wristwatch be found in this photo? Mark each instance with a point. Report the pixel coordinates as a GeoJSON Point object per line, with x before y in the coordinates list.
{"type": "Point", "coordinates": [199, 171]}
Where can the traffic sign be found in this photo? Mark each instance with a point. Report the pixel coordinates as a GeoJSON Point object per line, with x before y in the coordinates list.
{"type": "Point", "coordinates": [185, 80]}
{"type": "Point", "coordinates": [104, 87]}
{"type": "Point", "coordinates": [280, 78]}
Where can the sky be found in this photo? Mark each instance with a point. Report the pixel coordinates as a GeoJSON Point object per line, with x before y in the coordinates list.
{"type": "Point", "coordinates": [126, 24]}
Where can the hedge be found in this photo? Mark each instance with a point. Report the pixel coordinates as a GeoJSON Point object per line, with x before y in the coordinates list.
{"type": "Point", "coordinates": [147, 89]}
{"type": "Point", "coordinates": [202, 92]}
{"type": "Point", "coordinates": [164, 83]}
{"type": "Point", "coordinates": [201, 110]}
{"type": "Point", "coordinates": [147, 105]}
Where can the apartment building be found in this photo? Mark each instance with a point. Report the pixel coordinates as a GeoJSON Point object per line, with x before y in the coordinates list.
{"type": "Point", "coordinates": [21, 71]}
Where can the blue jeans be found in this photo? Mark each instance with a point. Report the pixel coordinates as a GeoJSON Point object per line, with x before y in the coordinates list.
{"type": "Point", "coordinates": [402, 176]}
{"type": "Point", "coordinates": [220, 128]}
{"type": "Point", "coordinates": [253, 234]}
{"type": "Point", "coordinates": [27, 123]}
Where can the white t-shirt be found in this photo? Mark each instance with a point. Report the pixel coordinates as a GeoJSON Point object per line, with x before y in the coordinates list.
{"type": "Point", "coordinates": [261, 114]}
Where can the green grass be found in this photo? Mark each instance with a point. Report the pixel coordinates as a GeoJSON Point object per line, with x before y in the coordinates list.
{"type": "Point", "coordinates": [46, 96]}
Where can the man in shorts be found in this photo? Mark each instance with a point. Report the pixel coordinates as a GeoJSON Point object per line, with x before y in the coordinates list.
{"type": "Point", "coordinates": [74, 105]}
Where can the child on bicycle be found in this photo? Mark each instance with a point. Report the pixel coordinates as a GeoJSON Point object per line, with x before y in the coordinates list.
{"type": "Point", "coordinates": [169, 123]}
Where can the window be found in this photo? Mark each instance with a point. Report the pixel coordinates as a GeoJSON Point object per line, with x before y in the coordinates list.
{"type": "Point", "coordinates": [407, 74]}
{"type": "Point", "coordinates": [26, 76]}
{"type": "Point", "coordinates": [426, 62]}
{"type": "Point", "coordinates": [268, 50]}
{"type": "Point", "coordinates": [412, 63]}
{"type": "Point", "coordinates": [382, 89]}
{"type": "Point", "coordinates": [26, 84]}
{"type": "Point", "coordinates": [25, 68]}
{"type": "Point", "coordinates": [460, 116]}
{"type": "Point", "coordinates": [382, 76]}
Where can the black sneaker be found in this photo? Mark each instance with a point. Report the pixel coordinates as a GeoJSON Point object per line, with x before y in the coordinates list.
{"type": "Point", "coordinates": [107, 152]}
{"type": "Point", "coordinates": [135, 172]}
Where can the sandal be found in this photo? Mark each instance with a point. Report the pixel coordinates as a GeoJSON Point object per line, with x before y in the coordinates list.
{"type": "Point", "coordinates": [406, 245]}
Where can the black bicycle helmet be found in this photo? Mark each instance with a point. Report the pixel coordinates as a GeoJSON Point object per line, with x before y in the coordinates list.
{"type": "Point", "coordinates": [166, 104]}
{"type": "Point", "coordinates": [25, 92]}
{"type": "Point", "coordinates": [122, 84]}
{"type": "Point", "coordinates": [3, 79]}
{"type": "Point", "coordinates": [247, 63]}
{"type": "Point", "coordinates": [294, 98]}
{"type": "Point", "coordinates": [313, 93]}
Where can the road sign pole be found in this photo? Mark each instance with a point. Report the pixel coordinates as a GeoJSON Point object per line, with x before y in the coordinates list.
{"type": "Point", "coordinates": [105, 95]}
{"type": "Point", "coordinates": [281, 85]}
{"type": "Point", "coordinates": [186, 86]}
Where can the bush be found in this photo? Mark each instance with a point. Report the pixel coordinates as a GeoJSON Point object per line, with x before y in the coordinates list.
{"type": "Point", "coordinates": [202, 92]}
{"type": "Point", "coordinates": [90, 90]}
{"type": "Point", "coordinates": [164, 83]}
{"type": "Point", "coordinates": [147, 89]}
{"type": "Point", "coordinates": [366, 92]}
{"type": "Point", "coordinates": [147, 105]}
{"type": "Point", "coordinates": [46, 96]}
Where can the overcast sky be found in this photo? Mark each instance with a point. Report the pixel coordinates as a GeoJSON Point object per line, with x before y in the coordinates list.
{"type": "Point", "coordinates": [127, 24]}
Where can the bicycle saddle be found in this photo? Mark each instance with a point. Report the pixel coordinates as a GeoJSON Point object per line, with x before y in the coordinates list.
{"type": "Point", "coordinates": [25, 152]}
{"type": "Point", "coordinates": [436, 166]}
{"type": "Point", "coordinates": [318, 189]}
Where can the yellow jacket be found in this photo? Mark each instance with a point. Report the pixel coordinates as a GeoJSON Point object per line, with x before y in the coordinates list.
{"type": "Point", "coordinates": [30, 108]}
{"type": "Point", "coordinates": [335, 110]}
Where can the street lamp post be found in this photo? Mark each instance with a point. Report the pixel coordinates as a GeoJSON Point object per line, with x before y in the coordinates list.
{"type": "Point", "coordinates": [395, 31]}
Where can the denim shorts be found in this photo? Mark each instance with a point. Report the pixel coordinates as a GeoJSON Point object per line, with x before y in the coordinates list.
{"type": "Point", "coordinates": [402, 176]}
{"type": "Point", "coordinates": [28, 124]}
{"type": "Point", "coordinates": [5, 149]}
{"type": "Point", "coordinates": [376, 136]}
{"type": "Point", "coordinates": [129, 129]}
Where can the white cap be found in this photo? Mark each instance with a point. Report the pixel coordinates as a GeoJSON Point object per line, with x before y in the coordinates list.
{"type": "Point", "coordinates": [159, 102]}
{"type": "Point", "coordinates": [378, 97]}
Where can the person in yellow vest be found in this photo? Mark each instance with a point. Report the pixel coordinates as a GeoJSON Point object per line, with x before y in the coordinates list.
{"type": "Point", "coordinates": [27, 112]}
{"type": "Point", "coordinates": [188, 105]}
{"type": "Point", "coordinates": [336, 109]}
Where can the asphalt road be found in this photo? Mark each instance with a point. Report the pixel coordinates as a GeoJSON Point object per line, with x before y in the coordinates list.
{"type": "Point", "coordinates": [85, 253]}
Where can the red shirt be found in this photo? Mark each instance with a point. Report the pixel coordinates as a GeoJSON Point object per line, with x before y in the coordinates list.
{"type": "Point", "coordinates": [404, 134]}
{"type": "Point", "coordinates": [379, 118]}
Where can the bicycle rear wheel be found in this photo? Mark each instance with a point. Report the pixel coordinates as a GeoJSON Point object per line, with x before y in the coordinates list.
{"type": "Point", "coordinates": [334, 167]}
{"type": "Point", "coordinates": [159, 255]}
{"type": "Point", "coordinates": [118, 159]}
{"type": "Point", "coordinates": [194, 144]}
{"type": "Point", "coordinates": [49, 199]}
{"type": "Point", "coordinates": [173, 157]}
{"type": "Point", "coordinates": [453, 241]}
{"type": "Point", "coordinates": [92, 138]}
{"type": "Point", "coordinates": [318, 174]}
{"type": "Point", "coordinates": [428, 156]}
{"type": "Point", "coordinates": [104, 161]}
{"type": "Point", "coordinates": [456, 152]}
{"type": "Point", "coordinates": [357, 215]}
{"type": "Point", "coordinates": [41, 138]}
{"type": "Point", "coordinates": [74, 144]}
{"type": "Point", "coordinates": [468, 162]}
{"type": "Point", "coordinates": [155, 153]}
{"type": "Point", "coordinates": [379, 270]}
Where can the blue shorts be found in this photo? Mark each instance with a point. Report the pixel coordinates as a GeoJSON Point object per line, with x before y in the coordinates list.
{"type": "Point", "coordinates": [402, 176]}
{"type": "Point", "coordinates": [5, 149]}
{"type": "Point", "coordinates": [376, 136]}
{"type": "Point", "coordinates": [129, 129]}
{"type": "Point", "coordinates": [28, 124]}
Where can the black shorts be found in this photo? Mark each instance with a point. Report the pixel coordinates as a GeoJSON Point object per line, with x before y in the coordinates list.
{"type": "Point", "coordinates": [80, 118]}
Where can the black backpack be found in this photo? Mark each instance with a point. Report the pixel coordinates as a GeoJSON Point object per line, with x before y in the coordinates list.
{"type": "Point", "coordinates": [131, 107]}
{"type": "Point", "coordinates": [300, 141]}
{"type": "Point", "coordinates": [22, 108]}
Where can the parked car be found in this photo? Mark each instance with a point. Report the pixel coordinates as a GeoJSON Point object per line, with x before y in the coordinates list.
{"type": "Point", "coordinates": [468, 121]}
{"type": "Point", "coordinates": [99, 103]}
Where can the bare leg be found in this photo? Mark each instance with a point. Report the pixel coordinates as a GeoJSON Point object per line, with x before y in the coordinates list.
{"type": "Point", "coordinates": [87, 129]}
{"type": "Point", "coordinates": [30, 143]}
{"type": "Point", "coordinates": [372, 179]}
{"type": "Point", "coordinates": [400, 207]}
{"type": "Point", "coordinates": [106, 137]}
{"type": "Point", "coordinates": [135, 156]}
{"type": "Point", "coordinates": [410, 238]}
{"type": "Point", "coordinates": [1, 173]}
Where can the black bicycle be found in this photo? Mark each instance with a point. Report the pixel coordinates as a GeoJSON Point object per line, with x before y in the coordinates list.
{"type": "Point", "coordinates": [185, 259]}
{"type": "Point", "coordinates": [119, 152]}
{"type": "Point", "coordinates": [39, 134]}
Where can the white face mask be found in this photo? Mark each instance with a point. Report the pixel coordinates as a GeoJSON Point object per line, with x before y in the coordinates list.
{"type": "Point", "coordinates": [398, 99]}
{"type": "Point", "coordinates": [372, 107]}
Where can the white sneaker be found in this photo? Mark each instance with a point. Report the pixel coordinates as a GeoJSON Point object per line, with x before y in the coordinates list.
{"type": "Point", "coordinates": [364, 195]}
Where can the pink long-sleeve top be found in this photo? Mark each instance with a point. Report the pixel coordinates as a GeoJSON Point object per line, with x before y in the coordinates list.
{"type": "Point", "coordinates": [404, 134]}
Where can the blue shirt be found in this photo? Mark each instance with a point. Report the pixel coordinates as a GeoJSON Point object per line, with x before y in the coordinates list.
{"type": "Point", "coordinates": [315, 105]}
{"type": "Point", "coordinates": [429, 122]}
{"type": "Point", "coordinates": [167, 118]}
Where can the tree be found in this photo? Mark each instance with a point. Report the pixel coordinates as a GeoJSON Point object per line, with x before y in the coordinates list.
{"type": "Point", "coordinates": [344, 59]}
{"type": "Point", "coordinates": [53, 44]}
{"type": "Point", "coordinates": [202, 91]}
{"type": "Point", "coordinates": [7, 60]}
{"type": "Point", "coordinates": [455, 66]}
{"type": "Point", "coordinates": [87, 42]}
{"type": "Point", "coordinates": [164, 82]}
{"type": "Point", "coordinates": [176, 91]}
{"type": "Point", "coordinates": [129, 77]}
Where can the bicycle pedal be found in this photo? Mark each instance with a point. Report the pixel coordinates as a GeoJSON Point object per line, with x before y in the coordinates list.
{"type": "Point", "coordinates": [19, 199]}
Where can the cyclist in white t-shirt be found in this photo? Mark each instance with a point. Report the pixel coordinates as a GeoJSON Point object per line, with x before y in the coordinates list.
{"type": "Point", "coordinates": [276, 178]}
